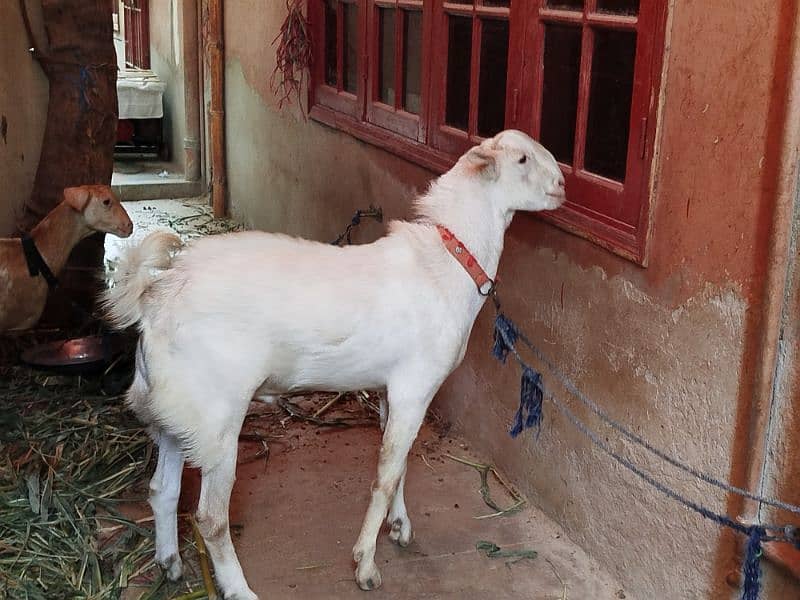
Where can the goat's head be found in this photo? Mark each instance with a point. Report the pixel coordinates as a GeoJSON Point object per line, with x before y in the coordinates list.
{"type": "Point", "coordinates": [100, 208]}
{"type": "Point", "coordinates": [523, 172]}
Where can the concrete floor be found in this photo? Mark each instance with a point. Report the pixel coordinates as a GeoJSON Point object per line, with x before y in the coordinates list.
{"type": "Point", "coordinates": [188, 217]}
{"type": "Point", "coordinates": [297, 515]}
{"type": "Point", "coordinates": [149, 180]}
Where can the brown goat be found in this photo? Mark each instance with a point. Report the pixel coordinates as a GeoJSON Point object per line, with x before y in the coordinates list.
{"type": "Point", "coordinates": [84, 211]}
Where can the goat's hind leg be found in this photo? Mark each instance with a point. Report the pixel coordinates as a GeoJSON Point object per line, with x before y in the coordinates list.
{"type": "Point", "coordinates": [212, 520]}
{"type": "Point", "coordinates": [165, 490]}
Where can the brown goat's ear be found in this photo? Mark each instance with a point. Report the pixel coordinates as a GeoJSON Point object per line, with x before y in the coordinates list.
{"type": "Point", "coordinates": [483, 161]}
{"type": "Point", "coordinates": [77, 197]}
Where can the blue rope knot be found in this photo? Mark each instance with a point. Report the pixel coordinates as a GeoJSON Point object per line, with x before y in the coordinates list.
{"type": "Point", "coordinates": [751, 569]}
{"type": "Point", "coordinates": [505, 336]}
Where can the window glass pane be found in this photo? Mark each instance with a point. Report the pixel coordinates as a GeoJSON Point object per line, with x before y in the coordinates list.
{"type": "Point", "coordinates": [331, 77]}
{"type": "Point", "coordinates": [350, 41]}
{"type": "Point", "coordinates": [505, 3]}
{"type": "Point", "coordinates": [412, 61]}
{"type": "Point", "coordinates": [459, 53]}
{"type": "Point", "coordinates": [565, 4]}
{"type": "Point", "coordinates": [386, 17]}
{"type": "Point", "coordinates": [610, 103]}
{"type": "Point", "coordinates": [624, 7]}
{"type": "Point", "coordinates": [562, 62]}
{"type": "Point", "coordinates": [494, 70]}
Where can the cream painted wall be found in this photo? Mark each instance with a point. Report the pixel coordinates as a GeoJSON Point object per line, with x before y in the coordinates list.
{"type": "Point", "coordinates": [166, 55]}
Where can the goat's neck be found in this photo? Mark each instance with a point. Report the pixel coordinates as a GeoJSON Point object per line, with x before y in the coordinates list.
{"type": "Point", "coordinates": [57, 234]}
{"type": "Point", "coordinates": [467, 211]}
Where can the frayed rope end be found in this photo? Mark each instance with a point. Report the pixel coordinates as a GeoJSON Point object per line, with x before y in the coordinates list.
{"type": "Point", "coordinates": [531, 395]}
{"type": "Point", "coordinates": [751, 569]}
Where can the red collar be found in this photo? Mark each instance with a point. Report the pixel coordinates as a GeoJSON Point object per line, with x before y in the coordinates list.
{"type": "Point", "coordinates": [486, 285]}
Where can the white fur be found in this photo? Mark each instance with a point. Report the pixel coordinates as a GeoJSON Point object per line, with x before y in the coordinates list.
{"type": "Point", "coordinates": [245, 314]}
{"type": "Point", "coordinates": [134, 275]}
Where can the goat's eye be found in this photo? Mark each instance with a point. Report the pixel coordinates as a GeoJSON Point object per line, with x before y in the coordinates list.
{"type": "Point", "coordinates": [107, 202]}
{"type": "Point", "coordinates": [523, 160]}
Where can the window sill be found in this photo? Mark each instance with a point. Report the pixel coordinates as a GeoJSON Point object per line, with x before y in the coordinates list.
{"type": "Point", "coordinates": [578, 221]}
{"type": "Point", "coordinates": [571, 218]}
{"type": "Point", "coordinates": [405, 148]}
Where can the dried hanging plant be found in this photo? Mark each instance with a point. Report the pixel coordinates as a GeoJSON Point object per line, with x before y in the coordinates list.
{"type": "Point", "coordinates": [293, 55]}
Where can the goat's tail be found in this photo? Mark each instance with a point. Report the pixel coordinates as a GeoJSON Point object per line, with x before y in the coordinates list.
{"type": "Point", "coordinates": [122, 302]}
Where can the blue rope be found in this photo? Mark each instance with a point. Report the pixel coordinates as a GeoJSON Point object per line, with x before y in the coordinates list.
{"type": "Point", "coordinates": [751, 569]}
{"type": "Point", "coordinates": [503, 323]}
{"type": "Point", "coordinates": [531, 394]}
{"type": "Point", "coordinates": [506, 336]}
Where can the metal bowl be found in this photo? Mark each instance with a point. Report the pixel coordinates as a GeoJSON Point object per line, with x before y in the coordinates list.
{"type": "Point", "coordinates": [74, 356]}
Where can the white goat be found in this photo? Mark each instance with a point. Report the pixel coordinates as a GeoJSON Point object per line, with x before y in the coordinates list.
{"type": "Point", "coordinates": [84, 210]}
{"type": "Point", "coordinates": [245, 314]}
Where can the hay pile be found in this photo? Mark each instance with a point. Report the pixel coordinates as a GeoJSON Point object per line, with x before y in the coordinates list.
{"type": "Point", "coordinates": [70, 460]}
{"type": "Point", "coordinates": [74, 466]}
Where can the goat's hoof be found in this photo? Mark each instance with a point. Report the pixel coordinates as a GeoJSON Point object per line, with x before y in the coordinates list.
{"type": "Point", "coordinates": [401, 532]}
{"type": "Point", "coordinates": [172, 566]}
{"type": "Point", "coordinates": [368, 577]}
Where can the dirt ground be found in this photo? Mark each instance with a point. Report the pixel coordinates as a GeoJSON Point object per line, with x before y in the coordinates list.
{"type": "Point", "coordinates": [296, 514]}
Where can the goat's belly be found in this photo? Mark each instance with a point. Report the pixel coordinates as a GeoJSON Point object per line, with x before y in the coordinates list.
{"type": "Point", "coordinates": [329, 369]}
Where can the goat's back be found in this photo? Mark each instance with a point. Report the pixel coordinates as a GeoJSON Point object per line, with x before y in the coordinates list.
{"type": "Point", "coordinates": [301, 314]}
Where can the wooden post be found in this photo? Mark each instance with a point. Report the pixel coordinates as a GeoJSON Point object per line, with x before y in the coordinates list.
{"type": "Point", "coordinates": [79, 61]}
{"type": "Point", "coordinates": [215, 55]}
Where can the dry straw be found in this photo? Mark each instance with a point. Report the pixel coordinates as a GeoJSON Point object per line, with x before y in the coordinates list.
{"type": "Point", "coordinates": [70, 459]}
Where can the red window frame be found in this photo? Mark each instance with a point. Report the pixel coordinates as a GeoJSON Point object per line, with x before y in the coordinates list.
{"type": "Point", "coordinates": [612, 214]}
{"type": "Point", "coordinates": [445, 138]}
{"type": "Point", "coordinates": [137, 33]}
{"type": "Point", "coordinates": [392, 117]}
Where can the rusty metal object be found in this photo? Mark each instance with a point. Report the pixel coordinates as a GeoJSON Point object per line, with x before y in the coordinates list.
{"type": "Point", "coordinates": [75, 356]}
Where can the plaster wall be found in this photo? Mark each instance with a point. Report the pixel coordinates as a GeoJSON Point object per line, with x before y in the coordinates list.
{"type": "Point", "coordinates": [23, 113]}
{"type": "Point", "coordinates": [668, 349]}
{"type": "Point", "coordinates": [166, 61]}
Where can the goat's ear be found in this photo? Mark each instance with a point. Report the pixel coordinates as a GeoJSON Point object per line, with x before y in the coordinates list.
{"type": "Point", "coordinates": [77, 197]}
{"type": "Point", "coordinates": [483, 161]}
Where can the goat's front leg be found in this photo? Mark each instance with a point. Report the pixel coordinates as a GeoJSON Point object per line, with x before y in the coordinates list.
{"type": "Point", "coordinates": [407, 410]}
{"type": "Point", "coordinates": [165, 490]}
{"type": "Point", "coordinates": [398, 521]}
